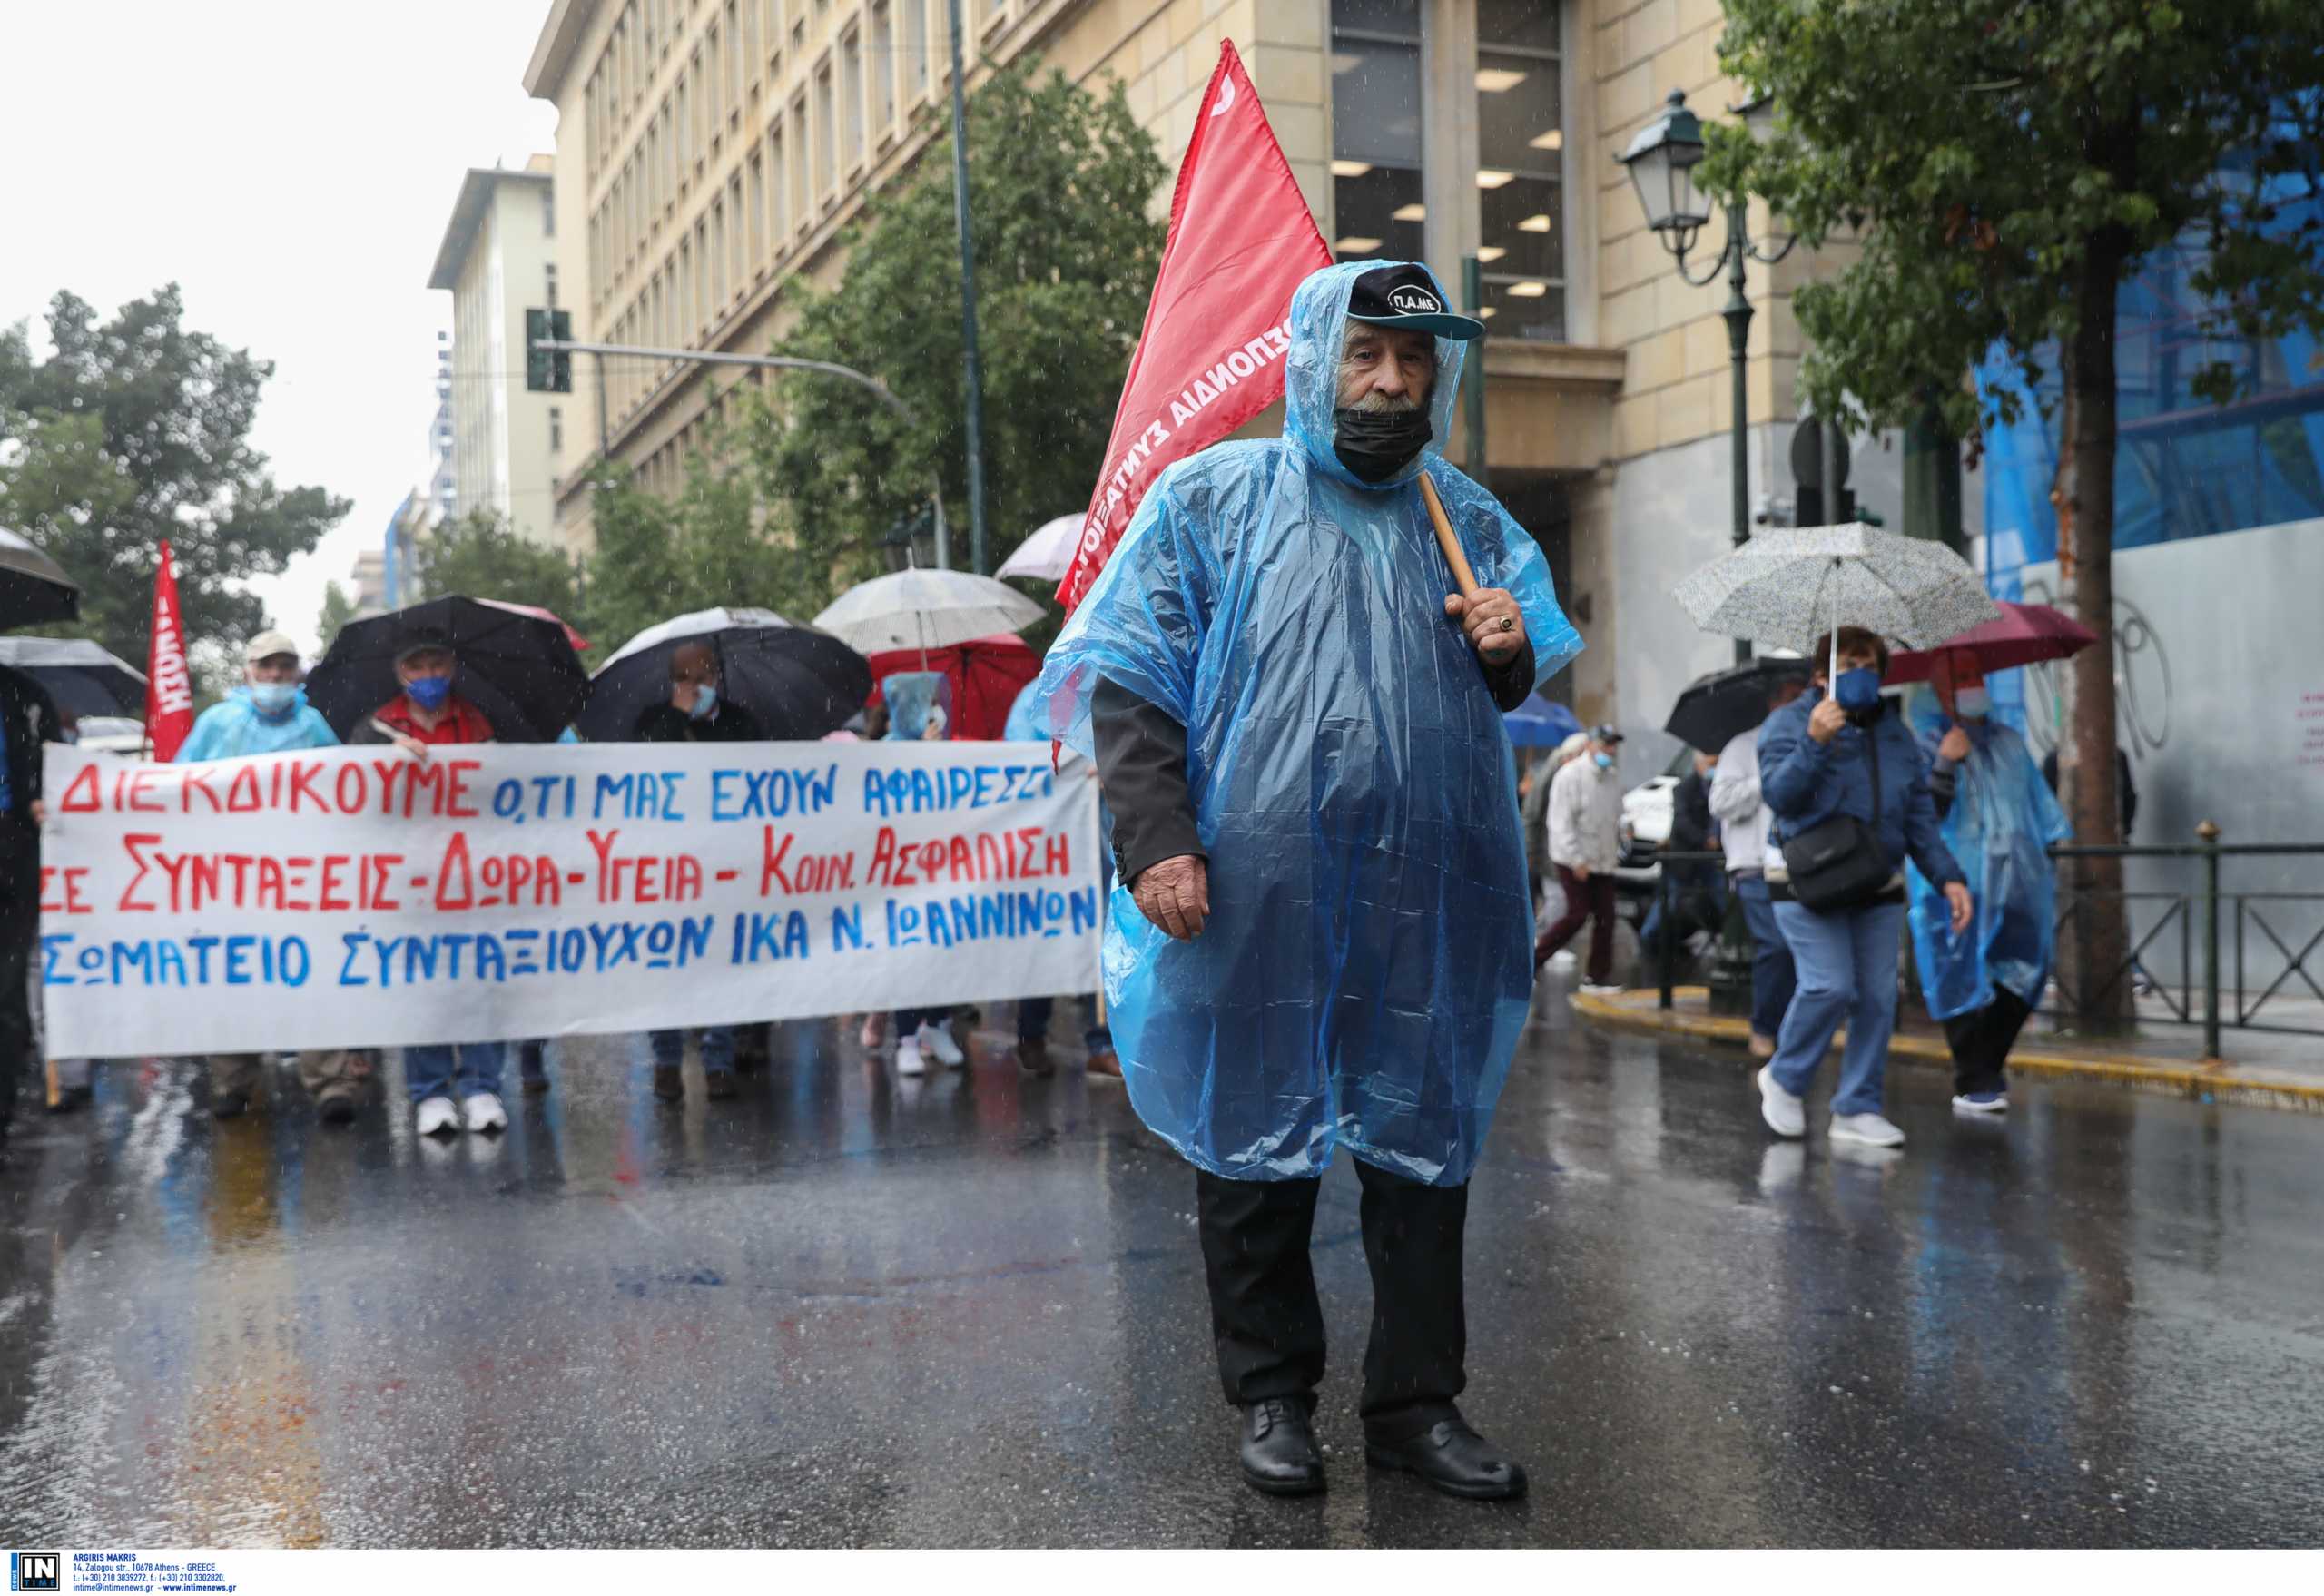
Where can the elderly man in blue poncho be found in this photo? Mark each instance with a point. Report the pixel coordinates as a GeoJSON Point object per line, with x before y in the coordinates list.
{"type": "Point", "coordinates": [1321, 938]}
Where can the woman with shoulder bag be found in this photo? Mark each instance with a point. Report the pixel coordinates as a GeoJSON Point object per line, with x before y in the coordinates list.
{"type": "Point", "coordinates": [1848, 787]}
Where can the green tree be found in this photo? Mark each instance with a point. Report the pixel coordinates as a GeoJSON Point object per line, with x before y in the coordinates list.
{"type": "Point", "coordinates": [338, 609]}
{"type": "Point", "coordinates": [2008, 167]}
{"type": "Point", "coordinates": [1061, 181]}
{"type": "Point", "coordinates": [705, 548]}
{"type": "Point", "coordinates": [481, 556]}
{"type": "Point", "coordinates": [136, 429]}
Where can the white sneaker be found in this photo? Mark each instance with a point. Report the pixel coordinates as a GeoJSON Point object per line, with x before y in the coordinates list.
{"type": "Point", "coordinates": [436, 1117]}
{"type": "Point", "coordinates": [937, 1039]}
{"type": "Point", "coordinates": [1784, 1114]}
{"type": "Point", "coordinates": [1871, 1129]}
{"type": "Point", "coordinates": [1562, 959]}
{"type": "Point", "coordinates": [1981, 1103]}
{"type": "Point", "coordinates": [484, 1113]}
{"type": "Point", "coordinates": [908, 1058]}
{"type": "Point", "coordinates": [1601, 990]}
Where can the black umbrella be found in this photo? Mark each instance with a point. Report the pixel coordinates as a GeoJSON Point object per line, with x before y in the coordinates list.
{"type": "Point", "coordinates": [1716, 708]}
{"type": "Point", "coordinates": [519, 669]}
{"type": "Point", "coordinates": [34, 588]}
{"type": "Point", "coordinates": [82, 676]}
{"type": "Point", "coordinates": [798, 683]}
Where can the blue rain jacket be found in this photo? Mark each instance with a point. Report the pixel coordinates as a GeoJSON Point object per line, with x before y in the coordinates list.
{"type": "Point", "coordinates": [1021, 727]}
{"type": "Point", "coordinates": [234, 728]}
{"type": "Point", "coordinates": [1368, 960]}
{"type": "Point", "coordinates": [2003, 819]}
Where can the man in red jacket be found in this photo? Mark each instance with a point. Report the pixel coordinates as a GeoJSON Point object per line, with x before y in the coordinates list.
{"type": "Point", "coordinates": [429, 714]}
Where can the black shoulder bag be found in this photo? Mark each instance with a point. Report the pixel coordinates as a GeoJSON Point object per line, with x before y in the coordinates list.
{"type": "Point", "coordinates": [1838, 864]}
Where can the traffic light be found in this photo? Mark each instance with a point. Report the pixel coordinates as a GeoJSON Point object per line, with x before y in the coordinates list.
{"type": "Point", "coordinates": [547, 370]}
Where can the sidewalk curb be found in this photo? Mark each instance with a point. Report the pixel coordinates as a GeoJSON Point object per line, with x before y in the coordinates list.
{"type": "Point", "coordinates": [2216, 1082]}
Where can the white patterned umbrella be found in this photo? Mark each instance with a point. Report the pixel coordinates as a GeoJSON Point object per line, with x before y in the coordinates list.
{"type": "Point", "coordinates": [924, 610]}
{"type": "Point", "coordinates": [1046, 552]}
{"type": "Point", "coordinates": [1790, 584]}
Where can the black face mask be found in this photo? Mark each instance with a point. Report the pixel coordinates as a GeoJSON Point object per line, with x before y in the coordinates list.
{"type": "Point", "coordinates": [1376, 444]}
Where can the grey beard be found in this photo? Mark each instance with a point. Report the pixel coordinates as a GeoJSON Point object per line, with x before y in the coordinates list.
{"type": "Point", "coordinates": [1375, 401]}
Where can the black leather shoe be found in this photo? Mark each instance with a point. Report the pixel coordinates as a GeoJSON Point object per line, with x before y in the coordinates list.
{"type": "Point", "coordinates": [1279, 1453]}
{"type": "Point", "coordinates": [1452, 1457]}
{"type": "Point", "coordinates": [669, 1084]}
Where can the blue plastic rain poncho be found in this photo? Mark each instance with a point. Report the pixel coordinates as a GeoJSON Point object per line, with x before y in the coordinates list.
{"type": "Point", "coordinates": [1021, 726]}
{"type": "Point", "coordinates": [920, 706]}
{"type": "Point", "coordinates": [2003, 821]}
{"type": "Point", "coordinates": [1367, 963]}
{"type": "Point", "coordinates": [233, 728]}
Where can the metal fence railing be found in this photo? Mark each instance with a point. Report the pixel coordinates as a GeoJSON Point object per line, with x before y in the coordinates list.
{"type": "Point", "coordinates": [2246, 959]}
{"type": "Point", "coordinates": [2271, 940]}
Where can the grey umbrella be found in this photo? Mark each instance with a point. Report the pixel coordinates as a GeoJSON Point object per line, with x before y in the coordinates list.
{"type": "Point", "coordinates": [1790, 584]}
{"type": "Point", "coordinates": [81, 675]}
{"type": "Point", "coordinates": [34, 588]}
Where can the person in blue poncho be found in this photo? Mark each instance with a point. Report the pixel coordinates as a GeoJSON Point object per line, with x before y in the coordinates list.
{"type": "Point", "coordinates": [269, 713]}
{"type": "Point", "coordinates": [1320, 937]}
{"type": "Point", "coordinates": [1999, 820]}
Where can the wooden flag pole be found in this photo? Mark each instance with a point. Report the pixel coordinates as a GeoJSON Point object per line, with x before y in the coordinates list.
{"type": "Point", "coordinates": [1463, 578]}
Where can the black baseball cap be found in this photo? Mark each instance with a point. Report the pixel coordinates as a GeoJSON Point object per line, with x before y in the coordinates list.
{"type": "Point", "coordinates": [1402, 296]}
{"type": "Point", "coordinates": [1605, 732]}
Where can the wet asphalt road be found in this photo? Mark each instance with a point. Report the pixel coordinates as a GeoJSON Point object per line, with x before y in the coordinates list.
{"type": "Point", "coordinates": [841, 1311]}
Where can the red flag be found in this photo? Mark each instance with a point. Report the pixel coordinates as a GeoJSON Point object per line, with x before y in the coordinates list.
{"type": "Point", "coordinates": [1211, 355]}
{"type": "Point", "coordinates": [169, 688]}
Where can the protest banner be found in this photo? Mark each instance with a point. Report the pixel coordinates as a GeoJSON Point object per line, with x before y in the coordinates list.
{"type": "Point", "coordinates": [359, 896]}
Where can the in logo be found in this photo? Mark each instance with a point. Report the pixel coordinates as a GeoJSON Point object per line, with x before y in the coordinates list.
{"type": "Point", "coordinates": [1414, 300]}
{"type": "Point", "coordinates": [35, 1571]}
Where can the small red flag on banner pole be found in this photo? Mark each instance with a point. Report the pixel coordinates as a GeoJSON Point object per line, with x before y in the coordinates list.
{"type": "Point", "coordinates": [169, 688]}
{"type": "Point", "coordinates": [1218, 326]}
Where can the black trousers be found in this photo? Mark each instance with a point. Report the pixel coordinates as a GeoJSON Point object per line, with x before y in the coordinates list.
{"type": "Point", "coordinates": [19, 937]}
{"type": "Point", "coordinates": [1269, 1325]}
{"type": "Point", "coordinates": [1981, 1041]}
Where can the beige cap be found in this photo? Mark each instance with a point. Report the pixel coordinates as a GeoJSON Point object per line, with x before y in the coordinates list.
{"type": "Point", "coordinates": [267, 645]}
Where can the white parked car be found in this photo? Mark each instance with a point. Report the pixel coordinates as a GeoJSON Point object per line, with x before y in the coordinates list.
{"type": "Point", "coordinates": [113, 734]}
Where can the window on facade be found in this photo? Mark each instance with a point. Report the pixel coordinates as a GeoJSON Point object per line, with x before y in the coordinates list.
{"type": "Point", "coordinates": [757, 213]}
{"type": "Point", "coordinates": [1520, 187]}
{"type": "Point", "coordinates": [851, 57]}
{"type": "Point", "coordinates": [735, 69]}
{"type": "Point", "coordinates": [1375, 130]}
{"type": "Point", "coordinates": [777, 179]}
{"type": "Point", "coordinates": [717, 257]}
{"type": "Point", "coordinates": [826, 147]}
{"type": "Point", "coordinates": [685, 131]}
{"type": "Point", "coordinates": [549, 285]}
{"type": "Point", "coordinates": [749, 64]}
{"type": "Point", "coordinates": [715, 85]}
{"type": "Point", "coordinates": [704, 306]}
{"type": "Point", "coordinates": [883, 68]}
{"type": "Point", "coordinates": [803, 200]}
{"type": "Point", "coordinates": [548, 209]}
{"type": "Point", "coordinates": [684, 289]}
{"type": "Point", "coordinates": [555, 430]}
{"type": "Point", "coordinates": [915, 61]}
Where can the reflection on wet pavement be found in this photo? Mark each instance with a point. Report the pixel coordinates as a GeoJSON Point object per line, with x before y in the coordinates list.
{"type": "Point", "coordinates": [846, 1309]}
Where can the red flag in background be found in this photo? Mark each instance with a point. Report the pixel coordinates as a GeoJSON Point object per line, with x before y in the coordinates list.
{"type": "Point", "coordinates": [169, 689]}
{"type": "Point", "coordinates": [1211, 355]}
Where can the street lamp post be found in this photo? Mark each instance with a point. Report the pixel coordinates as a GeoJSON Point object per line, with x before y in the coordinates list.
{"type": "Point", "coordinates": [1661, 162]}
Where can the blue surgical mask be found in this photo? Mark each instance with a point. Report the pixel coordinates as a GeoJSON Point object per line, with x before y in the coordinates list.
{"type": "Point", "coordinates": [1603, 761]}
{"type": "Point", "coordinates": [705, 700]}
{"type": "Point", "coordinates": [273, 698]}
{"type": "Point", "coordinates": [429, 692]}
{"type": "Point", "coordinates": [1972, 702]}
{"type": "Point", "coordinates": [1857, 690]}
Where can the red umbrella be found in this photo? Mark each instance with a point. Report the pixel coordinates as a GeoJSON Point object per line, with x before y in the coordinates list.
{"type": "Point", "coordinates": [580, 644]}
{"type": "Point", "coordinates": [2025, 634]}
